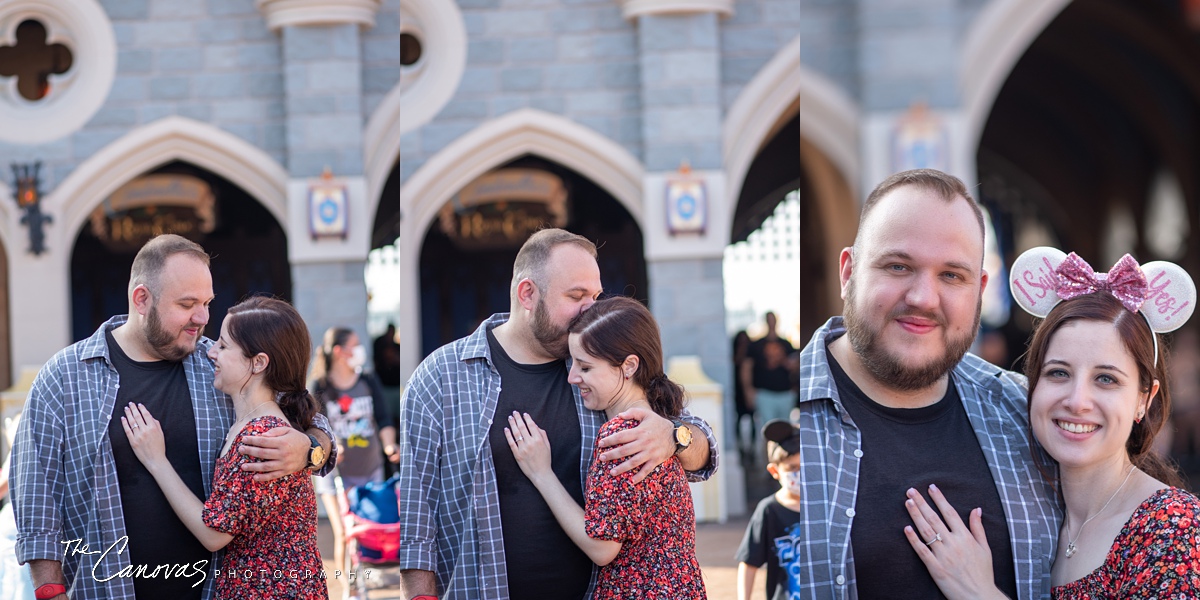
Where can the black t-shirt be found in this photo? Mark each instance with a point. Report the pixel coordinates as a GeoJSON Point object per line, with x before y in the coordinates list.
{"type": "Point", "coordinates": [772, 538]}
{"type": "Point", "coordinates": [542, 561]}
{"type": "Point", "coordinates": [770, 370]}
{"type": "Point", "coordinates": [912, 448]}
{"type": "Point", "coordinates": [156, 535]}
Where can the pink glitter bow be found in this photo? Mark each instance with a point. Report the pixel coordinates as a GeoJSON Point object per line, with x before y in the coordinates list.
{"type": "Point", "coordinates": [1125, 281]}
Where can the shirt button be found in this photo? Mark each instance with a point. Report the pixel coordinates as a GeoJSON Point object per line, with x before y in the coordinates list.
{"type": "Point", "coordinates": [857, 453]}
{"type": "Point", "coordinates": [850, 512]}
{"type": "Point", "coordinates": [840, 580]}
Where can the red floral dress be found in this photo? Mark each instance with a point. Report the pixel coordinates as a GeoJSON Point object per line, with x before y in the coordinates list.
{"type": "Point", "coordinates": [274, 526]}
{"type": "Point", "coordinates": [1156, 555]}
{"type": "Point", "coordinates": [653, 520]}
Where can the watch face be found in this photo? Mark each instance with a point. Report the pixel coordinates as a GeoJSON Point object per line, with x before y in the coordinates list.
{"type": "Point", "coordinates": [683, 436]}
{"type": "Point", "coordinates": [317, 456]}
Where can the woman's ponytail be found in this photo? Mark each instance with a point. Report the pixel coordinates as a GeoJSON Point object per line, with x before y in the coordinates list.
{"type": "Point", "coordinates": [665, 396]}
{"type": "Point", "coordinates": [299, 407]}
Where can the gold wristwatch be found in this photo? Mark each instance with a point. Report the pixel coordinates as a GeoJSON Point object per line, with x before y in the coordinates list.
{"type": "Point", "coordinates": [316, 454]}
{"type": "Point", "coordinates": [683, 436]}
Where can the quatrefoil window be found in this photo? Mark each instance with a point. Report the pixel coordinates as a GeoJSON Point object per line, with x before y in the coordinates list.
{"type": "Point", "coordinates": [32, 61]}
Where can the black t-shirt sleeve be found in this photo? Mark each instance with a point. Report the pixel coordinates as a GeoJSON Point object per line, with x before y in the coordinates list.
{"type": "Point", "coordinates": [383, 416]}
{"type": "Point", "coordinates": [753, 550]}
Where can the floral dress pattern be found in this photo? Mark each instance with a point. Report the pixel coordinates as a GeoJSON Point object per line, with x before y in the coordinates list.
{"type": "Point", "coordinates": [655, 523]}
{"type": "Point", "coordinates": [274, 549]}
{"type": "Point", "coordinates": [1156, 555]}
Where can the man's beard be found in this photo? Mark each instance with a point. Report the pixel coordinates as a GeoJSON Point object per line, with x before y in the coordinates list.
{"type": "Point", "coordinates": [889, 369]}
{"type": "Point", "coordinates": [552, 338]}
{"type": "Point", "coordinates": [163, 342]}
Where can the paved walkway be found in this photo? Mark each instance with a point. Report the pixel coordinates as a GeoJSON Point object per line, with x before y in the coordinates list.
{"type": "Point", "coordinates": [715, 546]}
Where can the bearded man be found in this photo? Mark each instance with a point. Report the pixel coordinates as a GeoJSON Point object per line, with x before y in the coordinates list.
{"type": "Point", "coordinates": [473, 527]}
{"type": "Point", "coordinates": [891, 401]}
{"type": "Point", "coordinates": [91, 521]}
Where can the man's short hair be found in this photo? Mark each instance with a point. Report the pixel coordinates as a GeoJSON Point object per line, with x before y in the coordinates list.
{"type": "Point", "coordinates": [535, 253]}
{"type": "Point", "coordinates": [947, 187]}
{"type": "Point", "coordinates": [152, 258]}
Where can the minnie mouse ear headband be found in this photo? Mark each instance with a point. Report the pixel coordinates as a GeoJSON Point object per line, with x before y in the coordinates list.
{"type": "Point", "coordinates": [1161, 291]}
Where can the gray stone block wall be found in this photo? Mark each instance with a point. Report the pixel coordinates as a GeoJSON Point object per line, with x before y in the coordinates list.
{"type": "Point", "coordinates": [321, 66]}
{"type": "Point", "coordinates": [210, 60]}
{"type": "Point", "coordinates": [687, 298]}
{"type": "Point", "coordinates": [576, 58]}
{"type": "Point", "coordinates": [753, 36]}
{"type": "Point", "coordinates": [331, 294]}
{"type": "Point", "coordinates": [680, 78]}
{"type": "Point", "coordinates": [888, 54]}
{"type": "Point", "coordinates": [908, 52]}
{"type": "Point", "coordinates": [217, 62]}
{"type": "Point", "coordinates": [380, 57]}
{"type": "Point", "coordinates": [829, 41]}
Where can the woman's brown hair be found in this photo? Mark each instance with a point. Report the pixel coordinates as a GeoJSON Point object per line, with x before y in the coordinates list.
{"type": "Point", "coordinates": [323, 359]}
{"type": "Point", "coordinates": [1138, 340]}
{"type": "Point", "coordinates": [614, 328]}
{"type": "Point", "coordinates": [273, 327]}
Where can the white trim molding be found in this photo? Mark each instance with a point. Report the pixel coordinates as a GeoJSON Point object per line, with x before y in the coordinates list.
{"type": "Point", "coordinates": [381, 144]}
{"type": "Point", "coordinates": [755, 113]}
{"type": "Point", "coordinates": [524, 131]}
{"type": "Point", "coordinates": [299, 13]}
{"type": "Point", "coordinates": [632, 9]}
{"type": "Point", "coordinates": [75, 96]}
{"type": "Point", "coordinates": [426, 87]}
{"type": "Point", "coordinates": [996, 40]}
{"type": "Point", "coordinates": [829, 117]}
{"type": "Point", "coordinates": [155, 144]}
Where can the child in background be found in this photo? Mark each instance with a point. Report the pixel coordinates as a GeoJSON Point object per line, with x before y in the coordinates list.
{"type": "Point", "coordinates": [773, 535]}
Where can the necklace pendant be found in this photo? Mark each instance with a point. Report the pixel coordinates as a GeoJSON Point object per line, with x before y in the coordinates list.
{"type": "Point", "coordinates": [1070, 550]}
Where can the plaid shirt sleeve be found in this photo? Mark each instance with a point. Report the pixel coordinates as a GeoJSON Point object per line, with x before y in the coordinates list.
{"type": "Point", "coordinates": [321, 422]}
{"type": "Point", "coordinates": [37, 471]}
{"type": "Point", "coordinates": [419, 440]}
{"type": "Point", "coordinates": [714, 452]}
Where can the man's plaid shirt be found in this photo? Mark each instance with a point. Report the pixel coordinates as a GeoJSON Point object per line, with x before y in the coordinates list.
{"type": "Point", "coordinates": [449, 503]}
{"type": "Point", "coordinates": [64, 475]}
{"type": "Point", "coordinates": [830, 456]}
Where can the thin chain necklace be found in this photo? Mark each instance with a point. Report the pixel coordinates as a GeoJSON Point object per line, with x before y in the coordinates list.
{"type": "Point", "coordinates": [1071, 544]}
{"type": "Point", "coordinates": [232, 430]}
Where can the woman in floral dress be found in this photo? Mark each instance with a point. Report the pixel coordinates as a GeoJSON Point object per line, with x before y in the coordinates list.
{"type": "Point", "coordinates": [1098, 397]}
{"type": "Point", "coordinates": [642, 535]}
{"type": "Point", "coordinates": [268, 529]}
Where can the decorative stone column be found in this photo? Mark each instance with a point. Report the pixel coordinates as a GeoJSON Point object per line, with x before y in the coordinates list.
{"type": "Point", "coordinates": [322, 72]}
{"type": "Point", "coordinates": [680, 60]}
{"type": "Point", "coordinates": [912, 109]}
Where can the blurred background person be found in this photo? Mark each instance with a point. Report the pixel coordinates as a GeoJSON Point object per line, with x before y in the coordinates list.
{"type": "Point", "coordinates": [354, 402]}
{"type": "Point", "coordinates": [766, 378]}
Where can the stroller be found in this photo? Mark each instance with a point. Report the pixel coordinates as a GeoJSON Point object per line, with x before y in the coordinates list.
{"type": "Point", "coordinates": [371, 520]}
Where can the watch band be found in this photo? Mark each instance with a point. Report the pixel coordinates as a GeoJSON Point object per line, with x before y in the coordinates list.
{"type": "Point", "coordinates": [49, 590]}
